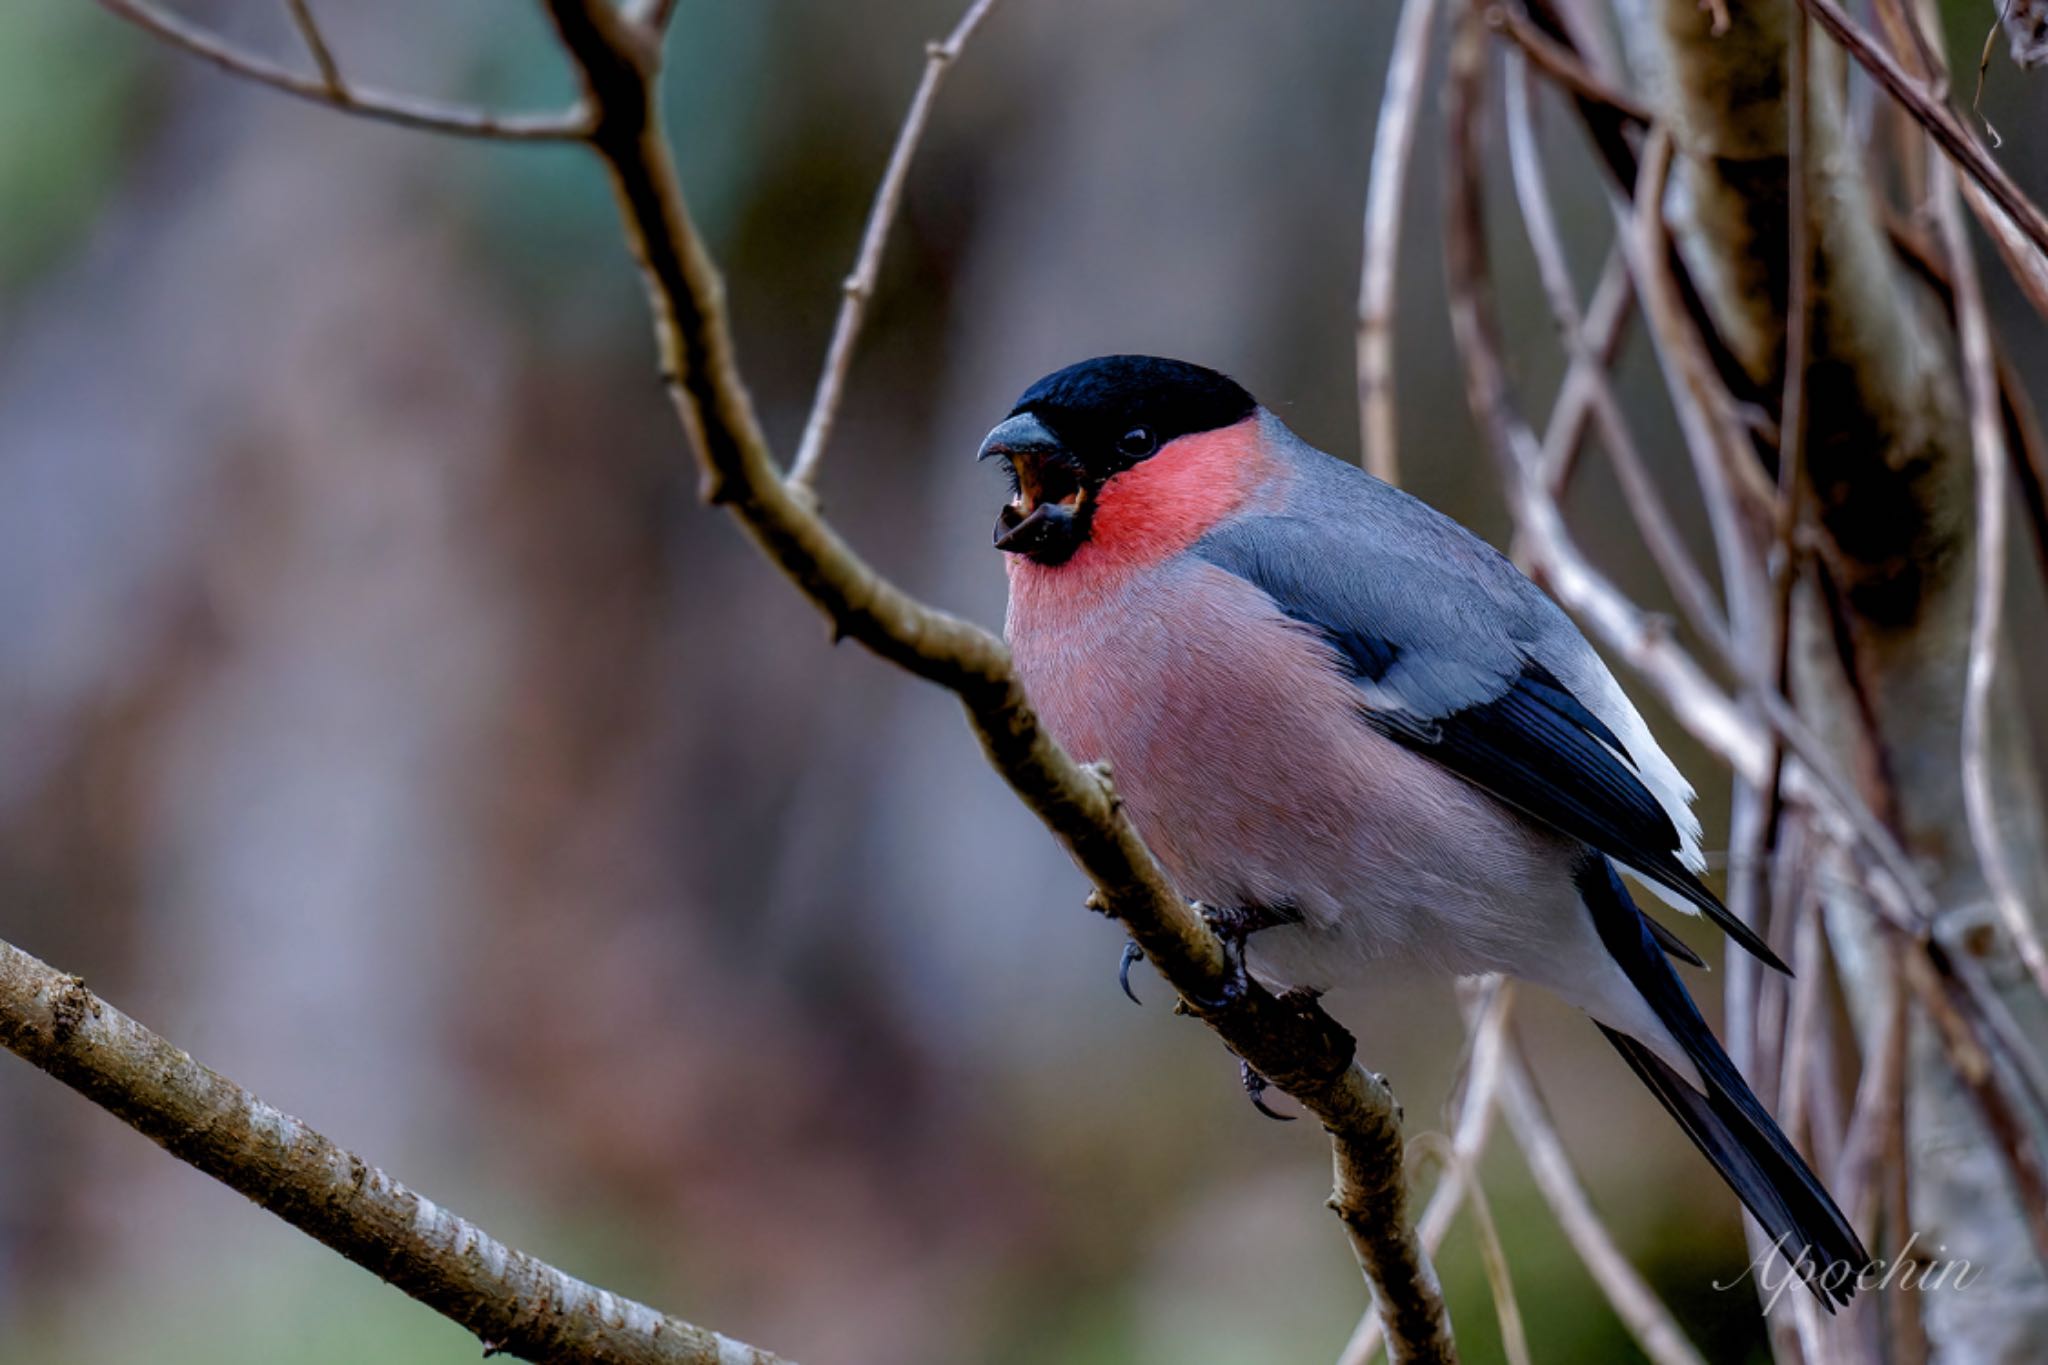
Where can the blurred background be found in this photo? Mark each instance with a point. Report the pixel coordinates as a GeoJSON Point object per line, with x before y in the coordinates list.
{"type": "Point", "coordinates": [382, 718]}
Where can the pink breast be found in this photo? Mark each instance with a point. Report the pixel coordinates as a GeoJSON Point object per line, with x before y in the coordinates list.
{"type": "Point", "coordinates": [1232, 738]}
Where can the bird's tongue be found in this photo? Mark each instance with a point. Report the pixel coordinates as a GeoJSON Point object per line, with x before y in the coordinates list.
{"type": "Point", "coordinates": [1048, 525]}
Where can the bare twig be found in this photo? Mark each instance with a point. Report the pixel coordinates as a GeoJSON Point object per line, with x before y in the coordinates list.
{"type": "Point", "coordinates": [1561, 64]}
{"type": "Point", "coordinates": [1644, 643]}
{"type": "Point", "coordinates": [1514, 1340]}
{"type": "Point", "coordinates": [1948, 131]}
{"type": "Point", "coordinates": [513, 1303]}
{"type": "Point", "coordinates": [1635, 1303]}
{"type": "Point", "coordinates": [1295, 1045]}
{"type": "Point", "coordinates": [327, 88]}
{"type": "Point", "coordinates": [1877, 1103]}
{"type": "Point", "coordinates": [1732, 487]}
{"type": "Point", "coordinates": [867, 266]}
{"type": "Point", "coordinates": [1386, 193]}
{"type": "Point", "coordinates": [1489, 1003]}
{"type": "Point", "coordinates": [1660, 534]}
{"type": "Point", "coordinates": [316, 47]}
{"type": "Point", "coordinates": [1990, 459]}
{"type": "Point", "coordinates": [2027, 264]}
{"type": "Point", "coordinates": [1600, 338]}
{"type": "Point", "coordinates": [1769, 640]}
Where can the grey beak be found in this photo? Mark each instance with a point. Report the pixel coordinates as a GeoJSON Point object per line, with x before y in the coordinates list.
{"type": "Point", "coordinates": [1023, 434]}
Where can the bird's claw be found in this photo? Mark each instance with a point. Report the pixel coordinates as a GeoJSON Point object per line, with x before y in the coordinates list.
{"type": "Point", "coordinates": [1132, 953]}
{"type": "Point", "coordinates": [1255, 1087]}
{"type": "Point", "coordinates": [1234, 924]}
{"type": "Point", "coordinates": [1231, 928]}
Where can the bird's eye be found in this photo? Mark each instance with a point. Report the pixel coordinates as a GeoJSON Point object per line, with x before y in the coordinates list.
{"type": "Point", "coordinates": [1137, 443]}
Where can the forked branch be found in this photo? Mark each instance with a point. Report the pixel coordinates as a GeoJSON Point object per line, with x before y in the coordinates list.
{"type": "Point", "coordinates": [617, 54]}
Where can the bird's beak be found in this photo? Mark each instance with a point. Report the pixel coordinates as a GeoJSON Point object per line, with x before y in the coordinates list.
{"type": "Point", "coordinates": [1041, 522]}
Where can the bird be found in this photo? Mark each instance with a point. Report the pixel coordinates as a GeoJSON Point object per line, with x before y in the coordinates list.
{"type": "Point", "coordinates": [1358, 734]}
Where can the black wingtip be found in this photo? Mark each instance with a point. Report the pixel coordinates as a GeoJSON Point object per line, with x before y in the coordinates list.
{"type": "Point", "coordinates": [1732, 1130]}
{"type": "Point", "coordinates": [1718, 1110]}
{"type": "Point", "coordinates": [1673, 945]}
{"type": "Point", "coordinates": [1695, 890]}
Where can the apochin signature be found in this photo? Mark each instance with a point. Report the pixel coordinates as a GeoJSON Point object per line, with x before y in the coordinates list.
{"type": "Point", "coordinates": [1775, 1272]}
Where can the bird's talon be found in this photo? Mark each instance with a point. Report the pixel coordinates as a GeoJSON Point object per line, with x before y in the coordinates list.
{"type": "Point", "coordinates": [1132, 953]}
{"type": "Point", "coordinates": [1255, 1087]}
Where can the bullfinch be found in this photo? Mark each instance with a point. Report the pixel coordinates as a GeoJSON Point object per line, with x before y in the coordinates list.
{"type": "Point", "coordinates": [1356, 729]}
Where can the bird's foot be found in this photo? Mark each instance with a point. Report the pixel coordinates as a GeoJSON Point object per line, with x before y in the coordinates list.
{"type": "Point", "coordinates": [1255, 1087]}
{"type": "Point", "coordinates": [1234, 924]}
{"type": "Point", "coordinates": [1132, 953]}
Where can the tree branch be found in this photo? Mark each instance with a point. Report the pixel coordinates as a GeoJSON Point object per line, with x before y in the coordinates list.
{"type": "Point", "coordinates": [1293, 1044]}
{"type": "Point", "coordinates": [515, 1304]}
{"type": "Point", "coordinates": [330, 91]}
{"type": "Point", "coordinates": [1987, 628]}
{"type": "Point", "coordinates": [860, 285]}
{"type": "Point", "coordinates": [1386, 192]}
{"type": "Point", "coordinates": [316, 44]}
{"type": "Point", "coordinates": [1635, 1303]}
{"type": "Point", "coordinates": [1949, 132]}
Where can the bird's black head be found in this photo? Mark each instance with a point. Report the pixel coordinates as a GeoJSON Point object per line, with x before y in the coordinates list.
{"type": "Point", "coordinates": [1078, 428]}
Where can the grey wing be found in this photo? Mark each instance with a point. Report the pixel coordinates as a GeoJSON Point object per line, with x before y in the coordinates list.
{"type": "Point", "coordinates": [1458, 656]}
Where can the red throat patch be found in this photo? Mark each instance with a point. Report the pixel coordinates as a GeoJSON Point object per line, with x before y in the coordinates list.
{"type": "Point", "coordinates": [1162, 505]}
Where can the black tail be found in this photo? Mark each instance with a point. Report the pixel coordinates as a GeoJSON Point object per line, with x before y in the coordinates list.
{"type": "Point", "coordinates": [1727, 1123]}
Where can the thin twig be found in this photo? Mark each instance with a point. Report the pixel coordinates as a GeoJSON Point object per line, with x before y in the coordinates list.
{"type": "Point", "coordinates": [867, 266]}
{"type": "Point", "coordinates": [1660, 534]}
{"type": "Point", "coordinates": [1293, 1044]}
{"type": "Point", "coordinates": [1386, 195]}
{"type": "Point", "coordinates": [1877, 1101]}
{"type": "Point", "coordinates": [382, 106]}
{"type": "Point", "coordinates": [1562, 65]}
{"type": "Point", "coordinates": [515, 1304]}
{"type": "Point", "coordinates": [1731, 486]}
{"type": "Point", "coordinates": [1948, 131]}
{"type": "Point", "coordinates": [1635, 1303]}
{"type": "Point", "coordinates": [1488, 1004]}
{"type": "Point", "coordinates": [1990, 460]}
{"type": "Point", "coordinates": [317, 49]}
{"type": "Point", "coordinates": [1771, 638]}
{"type": "Point", "coordinates": [1599, 345]}
{"type": "Point", "coordinates": [1493, 1255]}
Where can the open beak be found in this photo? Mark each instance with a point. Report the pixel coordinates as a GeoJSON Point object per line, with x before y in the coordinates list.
{"type": "Point", "coordinates": [1041, 522]}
